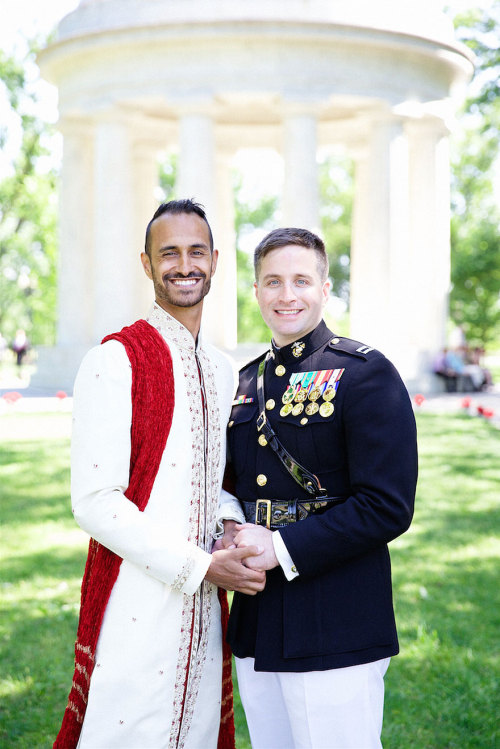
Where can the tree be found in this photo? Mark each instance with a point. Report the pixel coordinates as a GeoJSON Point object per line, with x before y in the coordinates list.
{"type": "Point", "coordinates": [475, 225]}
{"type": "Point", "coordinates": [27, 213]}
{"type": "Point", "coordinates": [259, 215]}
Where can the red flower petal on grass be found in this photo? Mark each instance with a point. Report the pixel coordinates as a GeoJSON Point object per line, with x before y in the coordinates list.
{"type": "Point", "coordinates": [12, 396]}
{"type": "Point", "coordinates": [61, 394]}
{"type": "Point", "coordinates": [419, 399]}
{"type": "Point", "coordinates": [466, 403]}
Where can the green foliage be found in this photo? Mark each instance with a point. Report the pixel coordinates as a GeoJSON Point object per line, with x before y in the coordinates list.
{"type": "Point", "coordinates": [250, 217]}
{"type": "Point", "coordinates": [27, 215]}
{"type": "Point", "coordinates": [440, 691]}
{"type": "Point", "coordinates": [475, 226]}
{"type": "Point", "coordinates": [167, 177]}
{"type": "Point", "coordinates": [336, 184]}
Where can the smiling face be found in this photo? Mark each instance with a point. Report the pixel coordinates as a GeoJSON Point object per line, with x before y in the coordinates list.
{"type": "Point", "coordinates": [180, 263]}
{"type": "Point", "coordinates": [290, 292]}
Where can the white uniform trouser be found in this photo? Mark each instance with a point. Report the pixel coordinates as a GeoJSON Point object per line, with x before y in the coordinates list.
{"type": "Point", "coordinates": [340, 708]}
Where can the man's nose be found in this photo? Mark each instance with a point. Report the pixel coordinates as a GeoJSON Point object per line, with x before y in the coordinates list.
{"type": "Point", "coordinates": [184, 264]}
{"type": "Point", "coordinates": [288, 292]}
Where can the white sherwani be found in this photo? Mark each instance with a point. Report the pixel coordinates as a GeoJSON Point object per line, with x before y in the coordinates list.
{"type": "Point", "coordinates": [157, 676]}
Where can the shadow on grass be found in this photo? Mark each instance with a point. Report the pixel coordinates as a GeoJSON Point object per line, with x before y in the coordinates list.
{"type": "Point", "coordinates": [37, 677]}
{"type": "Point", "coordinates": [57, 563]}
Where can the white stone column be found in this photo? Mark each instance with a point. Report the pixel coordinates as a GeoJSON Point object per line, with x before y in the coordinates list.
{"type": "Point", "coordinates": [115, 251]}
{"type": "Point", "coordinates": [429, 270]}
{"type": "Point", "coordinates": [75, 282]}
{"type": "Point", "coordinates": [145, 180]}
{"type": "Point", "coordinates": [196, 164]}
{"type": "Point", "coordinates": [57, 366]}
{"type": "Point", "coordinates": [203, 174]}
{"type": "Point", "coordinates": [300, 191]}
{"type": "Point", "coordinates": [380, 240]}
{"type": "Point", "coordinates": [220, 314]}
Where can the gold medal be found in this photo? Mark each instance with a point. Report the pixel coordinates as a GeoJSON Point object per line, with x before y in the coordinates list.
{"type": "Point", "coordinates": [312, 408]}
{"type": "Point", "coordinates": [261, 479]}
{"type": "Point", "coordinates": [301, 395]}
{"type": "Point", "coordinates": [329, 394]}
{"type": "Point", "coordinates": [262, 440]}
{"type": "Point", "coordinates": [280, 370]}
{"type": "Point", "coordinates": [315, 394]}
{"type": "Point", "coordinates": [326, 409]}
{"type": "Point", "coordinates": [297, 409]}
{"type": "Point", "coordinates": [270, 404]}
{"type": "Point", "coordinates": [286, 409]}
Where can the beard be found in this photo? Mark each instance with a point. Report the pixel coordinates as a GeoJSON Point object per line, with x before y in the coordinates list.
{"type": "Point", "coordinates": [175, 296]}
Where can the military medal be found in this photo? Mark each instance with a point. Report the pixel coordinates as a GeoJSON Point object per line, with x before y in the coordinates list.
{"type": "Point", "coordinates": [288, 395]}
{"type": "Point", "coordinates": [312, 408]}
{"type": "Point", "coordinates": [300, 395]}
{"type": "Point", "coordinates": [280, 370]}
{"type": "Point", "coordinates": [315, 393]}
{"type": "Point", "coordinates": [297, 409]}
{"type": "Point", "coordinates": [286, 409]}
{"type": "Point", "coordinates": [298, 348]}
{"type": "Point", "coordinates": [326, 409]}
{"type": "Point", "coordinates": [329, 394]}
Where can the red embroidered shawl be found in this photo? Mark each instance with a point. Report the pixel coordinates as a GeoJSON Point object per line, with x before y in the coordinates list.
{"type": "Point", "coordinates": [152, 411]}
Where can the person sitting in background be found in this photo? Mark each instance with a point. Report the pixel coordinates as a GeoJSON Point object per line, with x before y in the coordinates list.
{"type": "Point", "coordinates": [443, 368]}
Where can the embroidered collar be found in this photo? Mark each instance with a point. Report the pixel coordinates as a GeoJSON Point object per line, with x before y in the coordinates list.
{"type": "Point", "coordinates": [302, 347]}
{"type": "Point", "coordinates": [171, 329]}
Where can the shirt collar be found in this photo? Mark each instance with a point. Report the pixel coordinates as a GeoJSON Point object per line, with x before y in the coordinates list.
{"type": "Point", "coordinates": [302, 347]}
{"type": "Point", "coordinates": [172, 329]}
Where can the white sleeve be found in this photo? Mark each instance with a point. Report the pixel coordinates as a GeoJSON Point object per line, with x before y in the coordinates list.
{"type": "Point", "coordinates": [283, 557]}
{"type": "Point", "coordinates": [229, 509]}
{"type": "Point", "coordinates": [100, 461]}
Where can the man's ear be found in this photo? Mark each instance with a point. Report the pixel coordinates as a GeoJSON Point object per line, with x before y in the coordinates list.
{"type": "Point", "coordinates": [146, 264]}
{"type": "Point", "coordinates": [215, 257]}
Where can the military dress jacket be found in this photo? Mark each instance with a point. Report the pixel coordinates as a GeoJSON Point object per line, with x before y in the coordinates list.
{"type": "Point", "coordinates": [362, 447]}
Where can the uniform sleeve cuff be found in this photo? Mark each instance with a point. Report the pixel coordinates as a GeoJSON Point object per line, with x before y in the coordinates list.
{"type": "Point", "coordinates": [284, 557]}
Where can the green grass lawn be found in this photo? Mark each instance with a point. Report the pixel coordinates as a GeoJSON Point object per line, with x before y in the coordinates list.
{"type": "Point", "coordinates": [440, 691]}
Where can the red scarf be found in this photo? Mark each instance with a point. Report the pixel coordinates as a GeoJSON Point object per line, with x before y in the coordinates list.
{"type": "Point", "coordinates": [152, 411]}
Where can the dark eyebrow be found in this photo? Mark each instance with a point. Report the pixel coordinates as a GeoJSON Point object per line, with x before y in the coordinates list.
{"type": "Point", "coordinates": [278, 275]}
{"type": "Point", "coordinates": [196, 246]}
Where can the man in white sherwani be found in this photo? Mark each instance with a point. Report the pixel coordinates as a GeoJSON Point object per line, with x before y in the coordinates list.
{"type": "Point", "coordinates": [148, 455]}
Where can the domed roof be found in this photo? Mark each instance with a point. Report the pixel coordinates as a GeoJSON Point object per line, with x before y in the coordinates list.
{"type": "Point", "coordinates": [424, 19]}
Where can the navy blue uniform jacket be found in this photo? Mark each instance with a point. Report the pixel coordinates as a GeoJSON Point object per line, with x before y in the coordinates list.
{"type": "Point", "coordinates": [338, 611]}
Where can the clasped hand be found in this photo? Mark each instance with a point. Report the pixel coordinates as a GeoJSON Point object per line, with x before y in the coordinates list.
{"type": "Point", "coordinates": [241, 557]}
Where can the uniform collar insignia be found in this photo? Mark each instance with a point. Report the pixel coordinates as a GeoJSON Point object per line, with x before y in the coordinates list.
{"type": "Point", "coordinates": [297, 348]}
{"type": "Point", "coordinates": [303, 347]}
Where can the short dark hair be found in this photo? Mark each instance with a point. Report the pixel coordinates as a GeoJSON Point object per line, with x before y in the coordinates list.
{"type": "Point", "coordinates": [291, 235]}
{"type": "Point", "coordinates": [176, 207]}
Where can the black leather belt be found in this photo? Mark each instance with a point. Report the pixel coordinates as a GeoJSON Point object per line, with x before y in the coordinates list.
{"type": "Point", "coordinates": [276, 513]}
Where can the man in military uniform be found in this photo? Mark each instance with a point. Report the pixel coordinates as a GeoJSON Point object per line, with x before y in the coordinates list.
{"type": "Point", "coordinates": [323, 453]}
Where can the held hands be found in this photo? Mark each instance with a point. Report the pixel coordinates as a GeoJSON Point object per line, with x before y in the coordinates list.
{"type": "Point", "coordinates": [250, 536]}
{"type": "Point", "coordinates": [240, 558]}
{"type": "Point", "coordinates": [229, 570]}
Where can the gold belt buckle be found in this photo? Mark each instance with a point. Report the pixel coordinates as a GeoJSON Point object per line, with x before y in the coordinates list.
{"type": "Point", "coordinates": [260, 504]}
